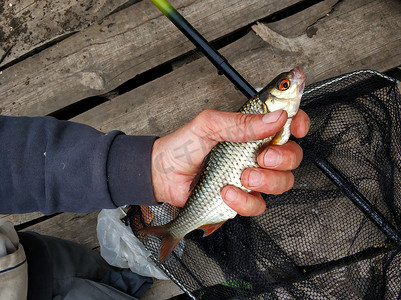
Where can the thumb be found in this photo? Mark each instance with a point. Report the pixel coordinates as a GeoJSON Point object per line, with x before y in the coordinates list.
{"type": "Point", "coordinates": [216, 126]}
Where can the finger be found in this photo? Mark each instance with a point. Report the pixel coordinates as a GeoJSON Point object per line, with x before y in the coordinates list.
{"type": "Point", "coordinates": [300, 124]}
{"type": "Point", "coordinates": [245, 204]}
{"type": "Point", "coordinates": [267, 181]}
{"type": "Point", "coordinates": [284, 158]}
{"type": "Point", "coordinates": [216, 126]}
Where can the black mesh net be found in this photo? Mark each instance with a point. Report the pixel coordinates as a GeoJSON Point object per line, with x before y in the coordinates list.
{"type": "Point", "coordinates": [334, 235]}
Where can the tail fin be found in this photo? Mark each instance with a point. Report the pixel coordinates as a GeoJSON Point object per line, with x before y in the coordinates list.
{"type": "Point", "coordinates": [169, 242]}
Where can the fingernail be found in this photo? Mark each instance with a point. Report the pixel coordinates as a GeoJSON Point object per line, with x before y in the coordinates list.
{"type": "Point", "coordinates": [272, 117]}
{"type": "Point", "coordinates": [272, 158]}
{"type": "Point", "coordinates": [254, 178]}
{"type": "Point", "coordinates": [231, 194]}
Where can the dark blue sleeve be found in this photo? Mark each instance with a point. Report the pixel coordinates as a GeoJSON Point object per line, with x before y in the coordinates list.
{"type": "Point", "coordinates": [52, 166]}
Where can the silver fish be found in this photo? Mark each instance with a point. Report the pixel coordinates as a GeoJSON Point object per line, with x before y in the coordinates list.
{"type": "Point", "coordinates": [205, 209]}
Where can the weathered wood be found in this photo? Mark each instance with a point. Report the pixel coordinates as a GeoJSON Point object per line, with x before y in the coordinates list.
{"type": "Point", "coordinates": [27, 24]}
{"type": "Point", "coordinates": [18, 219]}
{"type": "Point", "coordinates": [103, 56]}
{"type": "Point", "coordinates": [297, 24]}
{"type": "Point", "coordinates": [79, 228]}
{"type": "Point", "coordinates": [356, 35]}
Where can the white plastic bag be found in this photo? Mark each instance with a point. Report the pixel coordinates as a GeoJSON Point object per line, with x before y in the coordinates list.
{"type": "Point", "coordinates": [121, 248]}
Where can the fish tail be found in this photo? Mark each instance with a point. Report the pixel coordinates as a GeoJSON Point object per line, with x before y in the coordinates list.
{"type": "Point", "coordinates": [169, 242]}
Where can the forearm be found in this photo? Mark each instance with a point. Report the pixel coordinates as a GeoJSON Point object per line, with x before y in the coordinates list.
{"type": "Point", "coordinates": [50, 166]}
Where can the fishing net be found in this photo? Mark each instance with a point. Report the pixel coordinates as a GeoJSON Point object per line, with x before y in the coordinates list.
{"type": "Point", "coordinates": [334, 235]}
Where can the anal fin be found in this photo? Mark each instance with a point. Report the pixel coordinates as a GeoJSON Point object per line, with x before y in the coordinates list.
{"type": "Point", "coordinates": [210, 228]}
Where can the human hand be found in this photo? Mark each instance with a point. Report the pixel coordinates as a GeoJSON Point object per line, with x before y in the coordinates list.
{"type": "Point", "coordinates": [177, 157]}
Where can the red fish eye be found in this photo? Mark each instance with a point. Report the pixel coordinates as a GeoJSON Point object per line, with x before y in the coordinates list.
{"type": "Point", "coordinates": [284, 84]}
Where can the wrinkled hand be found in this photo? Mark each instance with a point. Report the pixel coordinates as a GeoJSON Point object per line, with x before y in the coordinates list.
{"type": "Point", "coordinates": [177, 157]}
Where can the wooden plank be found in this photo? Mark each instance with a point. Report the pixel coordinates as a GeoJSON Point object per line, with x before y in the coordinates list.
{"type": "Point", "coordinates": [26, 25]}
{"type": "Point", "coordinates": [79, 228]}
{"type": "Point", "coordinates": [358, 34]}
{"type": "Point", "coordinates": [18, 219]}
{"type": "Point", "coordinates": [103, 56]}
{"type": "Point", "coordinates": [297, 24]}
{"type": "Point", "coordinates": [337, 44]}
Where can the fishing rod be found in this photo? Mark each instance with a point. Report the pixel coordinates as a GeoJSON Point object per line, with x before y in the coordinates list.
{"type": "Point", "coordinates": [221, 64]}
{"type": "Point", "coordinates": [202, 44]}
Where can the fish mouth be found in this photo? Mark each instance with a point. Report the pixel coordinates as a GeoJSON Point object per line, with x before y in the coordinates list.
{"type": "Point", "coordinates": [301, 87]}
{"type": "Point", "coordinates": [300, 77]}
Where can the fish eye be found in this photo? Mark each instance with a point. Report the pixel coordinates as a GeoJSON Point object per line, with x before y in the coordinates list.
{"type": "Point", "coordinates": [283, 84]}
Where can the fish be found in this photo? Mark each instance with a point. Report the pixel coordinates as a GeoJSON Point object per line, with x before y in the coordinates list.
{"type": "Point", "coordinates": [205, 208]}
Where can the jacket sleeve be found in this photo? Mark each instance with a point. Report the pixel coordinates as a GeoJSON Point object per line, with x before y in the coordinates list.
{"type": "Point", "coordinates": [51, 166]}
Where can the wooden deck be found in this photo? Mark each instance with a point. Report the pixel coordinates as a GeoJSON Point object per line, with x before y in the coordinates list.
{"type": "Point", "coordinates": [122, 65]}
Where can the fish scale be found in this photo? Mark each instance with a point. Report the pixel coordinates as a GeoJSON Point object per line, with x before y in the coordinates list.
{"type": "Point", "coordinates": [205, 207]}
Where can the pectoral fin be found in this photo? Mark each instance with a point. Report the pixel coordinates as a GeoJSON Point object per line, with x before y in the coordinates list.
{"type": "Point", "coordinates": [283, 135]}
